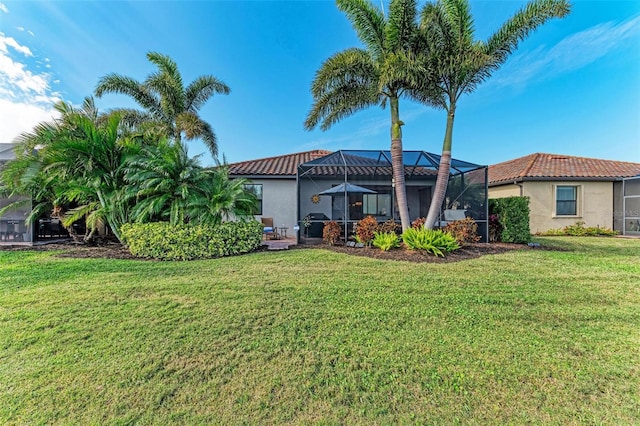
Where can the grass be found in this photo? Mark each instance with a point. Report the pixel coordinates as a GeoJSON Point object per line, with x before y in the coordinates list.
{"type": "Point", "coordinates": [312, 336]}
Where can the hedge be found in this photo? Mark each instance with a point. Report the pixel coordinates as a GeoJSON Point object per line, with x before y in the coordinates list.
{"type": "Point", "coordinates": [513, 216]}
{"type": "Point", "coordinates": [163, 241]}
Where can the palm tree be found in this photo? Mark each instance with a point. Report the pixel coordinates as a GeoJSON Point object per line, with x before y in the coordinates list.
{"type": "Point", "coordinates": [166, 102]}
{"type": "Point", "coordinates": [75, 160]}
{"type": "Point", "coordinates": [168, 185]}
{"type": "Point", "coordinates": [222, 198]}
{"type": "Point", "coordinates": [461, 63]}
{"type": "Point", "coordinates": [387, 69]}
{"type": "Point", "coordinates": [163, 179]}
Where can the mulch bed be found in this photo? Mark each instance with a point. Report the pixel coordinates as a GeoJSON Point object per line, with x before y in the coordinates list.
{"type": "Point", "coordinates": [114, 250]}
{"type": "Point", "coordinates": [470, 251]}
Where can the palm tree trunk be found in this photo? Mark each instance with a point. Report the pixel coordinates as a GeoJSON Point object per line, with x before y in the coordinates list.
{"type": "Point", "coordinates": [397, 163]}
{"type": "Point", "coordinates": [444, 167]}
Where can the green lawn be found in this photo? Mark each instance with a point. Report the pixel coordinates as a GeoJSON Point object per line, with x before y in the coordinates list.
{"type": "Point", "coordinates": [313, 336]}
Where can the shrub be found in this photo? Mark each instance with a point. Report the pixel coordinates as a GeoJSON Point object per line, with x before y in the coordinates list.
{"type": "Point", "coordinates": [418, 223]}
{"type": "Point", "coordinates": [495, 228]}
{"type": "Point", "coordinates": [580, 230]}
{"type": "Point", "coordinates": [365, 230]}
{"type": "Point", "coordinates": [388, 226]}
{"type": "Point", "coordinates": [163, 241]}
{"type": "Point", "coordinates": [331, 232]}
{"type": "Point", "coordinates": [385, 241]}
{"type": "Point", "coordinates": [513, 214]}
{"type": "Point", "coordinates": [465, 231]}
{"type": "Point", "coordinates": [433, 241]}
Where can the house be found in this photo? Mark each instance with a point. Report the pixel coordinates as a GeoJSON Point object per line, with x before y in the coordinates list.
{"type": "Point", "coordinates": [274, 182]}
{"type": "Point", "coordinates": [302, 190]}
{"type": "Point", "coordinates": [564, 189]}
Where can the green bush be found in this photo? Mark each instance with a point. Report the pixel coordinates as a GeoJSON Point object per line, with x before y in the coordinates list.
{"type": "Point", "coordinates": [385, 241]}
{"type": "Point", "coordinates": [513, 216]}
{"type": "Point", "coordinates": [163, 241]}
{"type": "Point", "coordinates": [579, 229]}
{"type": "Point", "coordinates": [433, 241]}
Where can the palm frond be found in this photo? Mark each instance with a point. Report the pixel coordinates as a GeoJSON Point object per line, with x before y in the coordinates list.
{"type": "Point", "coordinates": [402, 26]}
{"type": "Point", "coordinates": [501, 44]}
{"type": "Point", "coordinates": [201, 90]}
{"type": "Point", "coordinates": [115, 83]}
{"type": "Point", "coordinates": [349, 66]}
{"type": "Point", "coordinates": [369, 23]}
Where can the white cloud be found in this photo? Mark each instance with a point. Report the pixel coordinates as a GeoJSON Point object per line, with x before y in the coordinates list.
{"type": "Point", "coordinates": [4, 8]}
{"type": "Point", "coordinates": [31, 33]}
{"type": "Point", "coordinates": [18, 117]}
{"type": "Point", "coordinates": [20, 28]}
{"type": "Point", "coordinates": [26, 97]}
{"type": "Point", "coordinates": [571, 53]}
{"type": "Point", "coordinates": [6, 42]}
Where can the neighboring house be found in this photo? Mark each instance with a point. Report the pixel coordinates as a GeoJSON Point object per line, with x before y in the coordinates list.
{"type": "Point", "coordinates": [303, 189]}
{"type": "Point", "coordinates": [563, 189]}
{"type": "Point", "coordinates": [12, 223]}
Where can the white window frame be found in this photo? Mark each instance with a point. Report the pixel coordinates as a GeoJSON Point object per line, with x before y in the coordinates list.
{"type": "Point", "coordinates": [578, 200]}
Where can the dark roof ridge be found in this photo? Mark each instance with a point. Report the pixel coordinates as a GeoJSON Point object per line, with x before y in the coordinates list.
{"type": "Point", "coordinates": [274, 157]}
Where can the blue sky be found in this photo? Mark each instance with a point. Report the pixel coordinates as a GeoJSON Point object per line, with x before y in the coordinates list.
{"type": "Point", "coordinates": [573, 87]}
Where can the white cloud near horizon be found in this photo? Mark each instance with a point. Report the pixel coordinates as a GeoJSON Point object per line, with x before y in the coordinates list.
{"type": "Point", "coordinates": [4, 8]}
{"type": "Point", "coordinates": [573, 52]}
{"type": "Point", "coordinates": [26, 97]}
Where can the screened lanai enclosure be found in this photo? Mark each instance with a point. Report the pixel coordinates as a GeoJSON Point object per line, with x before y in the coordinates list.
{"type": "Point", "coordinates": [631, 206]}
{"type": "Point", "coordinates": [347, 186]}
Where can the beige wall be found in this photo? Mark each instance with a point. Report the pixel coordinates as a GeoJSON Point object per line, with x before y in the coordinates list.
{"type": "Point", "coordinates": [595, 203]}
{"type": "Point", "coordinates": [279, 201]}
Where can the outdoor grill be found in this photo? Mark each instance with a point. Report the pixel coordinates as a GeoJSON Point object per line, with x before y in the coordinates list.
{"type": "Point", "coordinates": [317, 224]}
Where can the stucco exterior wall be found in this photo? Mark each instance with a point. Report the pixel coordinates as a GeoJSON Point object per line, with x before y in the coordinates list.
{"type": "Point", "coordinates": [504, 191]}
{"type": "Point", "coordinates": [594, 205]}
{"type": "Point", "coordinates": [278, 201]}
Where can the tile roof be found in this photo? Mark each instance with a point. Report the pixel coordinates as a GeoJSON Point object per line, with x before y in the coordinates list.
{"type": "Point", "coordinates": [553, 166]}
{"type": "Point", "coordinates": [283, 165]}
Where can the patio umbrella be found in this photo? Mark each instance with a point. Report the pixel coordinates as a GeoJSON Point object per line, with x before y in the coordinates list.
{"type": "Point", "coordinates": [348, 188]}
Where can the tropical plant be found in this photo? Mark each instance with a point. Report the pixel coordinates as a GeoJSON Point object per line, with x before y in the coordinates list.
{"type": "Point", "coordinates": [418, 223]}
{"type": "Point", "coordinates": [75, 164]}
{"type": "Point", "coordinates": [170, 186]}
{"type": "Point", "coordinates": [433, 241]}
{"type": "Point", "coordinates": [221, 198]}
{"type": "Point", "coordinates": [389, 67]}
{"type": "Point", "coordinates": [461, 63]}
{"type": "Point", "coordinates": [331, 232]}
{"type": "Point", "coordinates": [365, 230]}
{"type": "Point", "coordinates": [385, 241]}
{"type": "Point", "coordinates": [465, 231]}
{"type": "Point", "coordinates": [168, 105]}
{"type": "Point", "coordinates": [389, 225]}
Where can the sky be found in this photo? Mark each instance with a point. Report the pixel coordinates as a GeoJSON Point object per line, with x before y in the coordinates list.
{"type": "Point", "coordinates": [572, 87]}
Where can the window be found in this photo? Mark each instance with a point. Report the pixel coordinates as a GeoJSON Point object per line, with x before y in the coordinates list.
{"type": "Point", "coordinates": [255, 189]}
{"type": "Point", "coordinates": [566, 200]}
{"type": "Point", "coordinates": [377, 205]}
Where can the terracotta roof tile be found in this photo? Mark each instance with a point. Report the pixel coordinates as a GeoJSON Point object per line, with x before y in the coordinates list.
{"type": "Point", "coordinates": [283, 165]}
{"type": "Point", "coordinates": [540, 166]}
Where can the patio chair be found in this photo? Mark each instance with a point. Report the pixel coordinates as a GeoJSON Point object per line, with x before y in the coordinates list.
{"type": "Point", "coordinates": [268, 228]}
